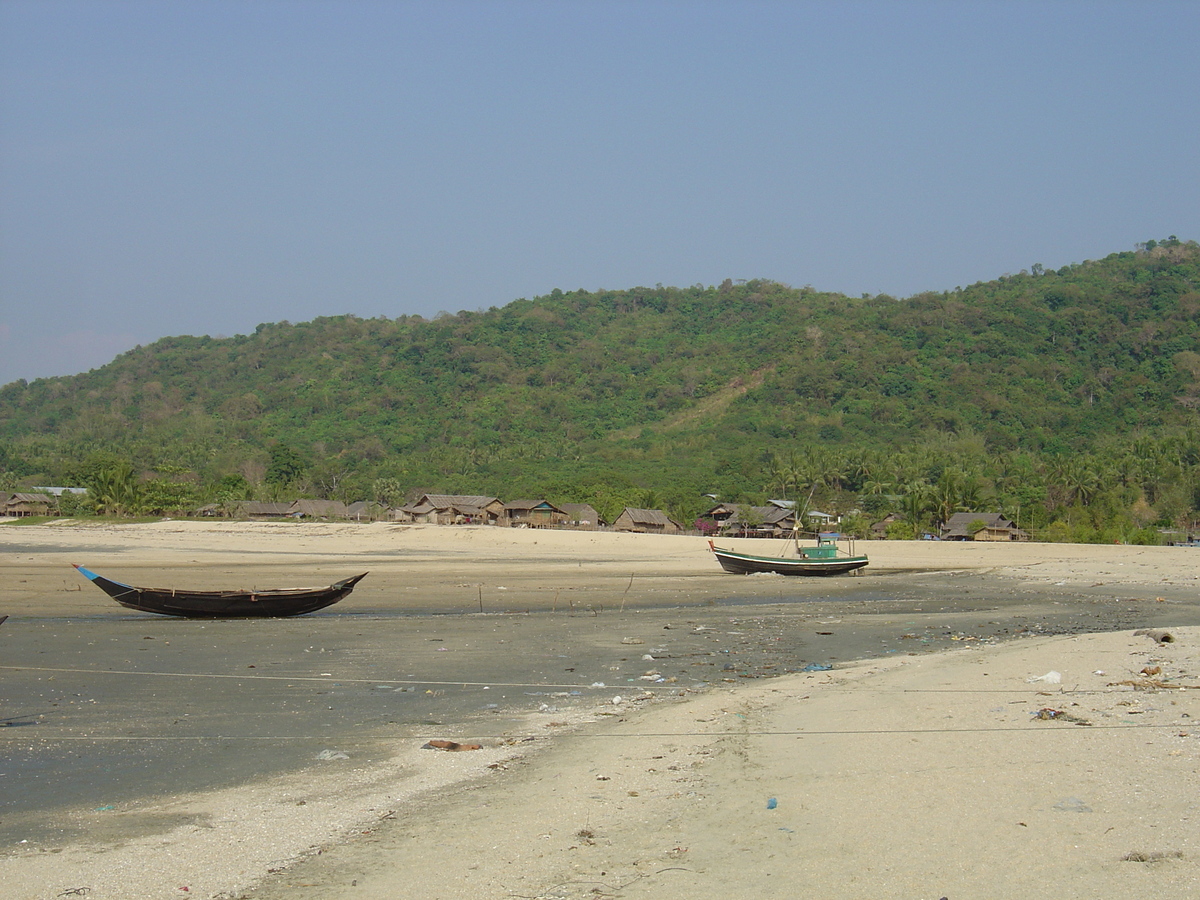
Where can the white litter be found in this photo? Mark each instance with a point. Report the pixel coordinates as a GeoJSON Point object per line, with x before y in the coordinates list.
{"type": "Point", "coordinates": [1051, 677]}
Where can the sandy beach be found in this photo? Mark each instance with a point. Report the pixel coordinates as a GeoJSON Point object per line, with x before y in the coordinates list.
{"type": "Point", "coordinates": [976, 721]}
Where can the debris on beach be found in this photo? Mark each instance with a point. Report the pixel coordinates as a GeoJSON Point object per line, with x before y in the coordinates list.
{"type": "Point", "coordinates": [1158, 635]}
{"type": "Point", "coordinates": [1072, 804]}
{"type": "Point", "coordinates": [1151, 856]}
{"type": "Point", "coordinates": [449, 745]}
{"type": "Point", "coordinates": [1152, 684]}
{"type": "Point", "coordinates": [333, 754]}
{"type": "Point", "coordinates": [1058, 715]}
{"type": "Point", "coordinates": [1050, 677]}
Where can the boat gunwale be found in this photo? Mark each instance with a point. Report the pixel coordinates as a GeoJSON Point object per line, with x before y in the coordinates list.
{"type": "Point", "coordinates": [748, 563]}
{"type": "Point", "coordinates": [224, 604]}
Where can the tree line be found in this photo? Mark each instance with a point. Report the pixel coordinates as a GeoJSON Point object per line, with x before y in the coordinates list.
{"type": "Point", "coordinates": [1066, 397]}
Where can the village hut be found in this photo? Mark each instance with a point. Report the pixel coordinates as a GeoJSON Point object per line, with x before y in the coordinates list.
{"type": "Point", "coordinates": [972, 526]}
{"type": "Point", "coordinates": [265, 509]}
{"type": "Point", "coordinates": [646, 521]}
{"type": "Point", "coordinates": [747, 520]}
{"type": "Point", "coordinates": [534, 513]}
{"type": "Point", "coordinates": [20, 504]}
{"type": "Point", "coordinates": [581, 515]}
{"type": "Point", "coordinates": [452, 509]}
{"type": "Point", "coordinates": [317, 509]}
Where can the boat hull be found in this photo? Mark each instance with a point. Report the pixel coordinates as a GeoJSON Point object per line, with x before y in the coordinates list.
{"type": "Point", "coordinates": [224, 604]}
{"type": "Point", "coordinates": [747, 564]}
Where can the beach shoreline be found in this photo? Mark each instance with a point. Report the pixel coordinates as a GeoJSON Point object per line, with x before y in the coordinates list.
{"type": "Point", "coordinates": [955, 775]}
{"type": "Point", "coordinates": [613, 595]}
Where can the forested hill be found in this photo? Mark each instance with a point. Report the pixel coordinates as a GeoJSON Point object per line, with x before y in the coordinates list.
{"type": "Point", "coordinates": [682, 390]}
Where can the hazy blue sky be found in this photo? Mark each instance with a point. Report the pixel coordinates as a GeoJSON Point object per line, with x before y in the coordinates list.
{"type": "Point", "coordinates": [192, 167]}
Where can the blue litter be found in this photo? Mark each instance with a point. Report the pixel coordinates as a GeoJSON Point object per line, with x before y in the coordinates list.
{"type": "Point", "coordinates": [772, 803]}
{"type": "Point", "coordinates": [816, 667]}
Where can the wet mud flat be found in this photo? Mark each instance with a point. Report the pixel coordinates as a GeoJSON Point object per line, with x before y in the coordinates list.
{"type": "Point", "coordinates": [102, 709]}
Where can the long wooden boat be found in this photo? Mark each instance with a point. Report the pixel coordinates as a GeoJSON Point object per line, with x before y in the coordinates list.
{"type": "Point", "coordinates": [822, 559]}
{"type": "Point", "coordinates": [224, 604]}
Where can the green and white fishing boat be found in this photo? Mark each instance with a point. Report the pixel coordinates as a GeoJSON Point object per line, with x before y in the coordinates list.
{"type": "Point", "coordinates": [823, 558]}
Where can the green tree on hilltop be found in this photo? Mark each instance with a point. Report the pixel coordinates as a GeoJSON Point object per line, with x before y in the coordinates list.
{"type": "Point", "coordinates": [285, 468]}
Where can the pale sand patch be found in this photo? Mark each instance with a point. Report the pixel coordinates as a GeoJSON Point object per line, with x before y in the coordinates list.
{"type": "Point", "coordinates": [911, 777]}
{"type": "Point", "coordinates": [179, 542]}
{"type": "Point", "coordinates": [920, 777]}
{"type": "Point", "coordinates": [231, 838]}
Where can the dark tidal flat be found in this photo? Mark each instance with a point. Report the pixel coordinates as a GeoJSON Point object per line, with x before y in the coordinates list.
{"type": "Point", "coordinates": [101, 707]}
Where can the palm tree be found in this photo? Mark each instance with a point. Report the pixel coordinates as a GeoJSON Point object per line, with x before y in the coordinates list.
{"type": "Point", "coordinates": [1083, 481]}
{"type": "Point", "coordinates": [971, 491]}
{"type": "Point", "coordinates": [858, 467]}
{"type": "Point", "coordinates": [878, 488]}
{"type": "Point", "coordinates": [915, 504]}
{"type": "Point", "coordinates": [115, 491]}
{"type": "Point", "coordinates": [946, 495]}
{"type": "Point", "coordinates": [784, 474]}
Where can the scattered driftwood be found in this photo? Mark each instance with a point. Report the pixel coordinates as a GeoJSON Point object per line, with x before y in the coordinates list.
{"type": "Point", "coordinates": [1143, 856]}
{"type": "Point", "coordinates": [1152, 684]}
{"type": "Point", "coordinates": [1157, 634]}
{"type": "Point", "coordinates": [450, 745]}
{"type": "Point", "coordinates": [1059, 715]}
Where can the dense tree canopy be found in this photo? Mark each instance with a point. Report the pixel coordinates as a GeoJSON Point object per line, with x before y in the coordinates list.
{"type": "Point", "coordinates": [1070, 394]}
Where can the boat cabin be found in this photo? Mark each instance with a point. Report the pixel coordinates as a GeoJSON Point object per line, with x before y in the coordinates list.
{"type": "Point", "coordinates": [826, 547]}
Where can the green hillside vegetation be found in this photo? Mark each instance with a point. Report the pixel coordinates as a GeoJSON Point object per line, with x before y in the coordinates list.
{"type": "Point", "coordinates": [1066, 396]}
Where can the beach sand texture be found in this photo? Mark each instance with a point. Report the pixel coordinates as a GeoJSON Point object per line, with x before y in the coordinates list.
{"type": "Point", "coordinates": [947, 774]}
